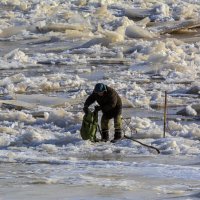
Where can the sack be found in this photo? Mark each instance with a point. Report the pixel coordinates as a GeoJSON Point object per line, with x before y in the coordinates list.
{"type": "Point", "coordinates": [89, 126]}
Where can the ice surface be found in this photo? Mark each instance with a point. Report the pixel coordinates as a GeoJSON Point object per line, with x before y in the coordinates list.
{"type": "Point", "coordinates": [52, 54]}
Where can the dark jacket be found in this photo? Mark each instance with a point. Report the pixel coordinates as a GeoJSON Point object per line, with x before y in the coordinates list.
{"type": "Point", "coordinates": [110, 102]}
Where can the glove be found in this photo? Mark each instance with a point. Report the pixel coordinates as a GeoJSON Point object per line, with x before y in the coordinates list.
{"type": "Point", "coordinates": [97, 108]}
{"type": "Point", "coordinates": [85, 110]}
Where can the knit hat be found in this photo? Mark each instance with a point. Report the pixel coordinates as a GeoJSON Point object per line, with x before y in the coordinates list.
{"type": "Point", "coordinates": [100, 87]}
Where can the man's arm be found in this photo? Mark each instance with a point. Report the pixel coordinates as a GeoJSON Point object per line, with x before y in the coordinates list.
{"type": "Point", "coordinates": [90, 100]}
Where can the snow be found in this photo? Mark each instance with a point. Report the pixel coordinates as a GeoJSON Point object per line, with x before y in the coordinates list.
{"type": "Point", "coordinates": [52, 54]}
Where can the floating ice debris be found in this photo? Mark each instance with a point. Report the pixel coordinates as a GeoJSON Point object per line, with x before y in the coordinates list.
{"type": "Point", "coordinates": [61, 27]}
{"type": "Point", "coordinates": [152, 13]}
{"type": "Point", "coordinates": [96, 41]}
{"type": "Point", "coordinates": [134, 31]}
{"type": "Point", "coordinates": [16, 116]}
{"type": "Point", "coordinates": [184, 10]}
{"type": "Point", "coordinates": [172, 26]}
{"type": "Point", "coordinates": [190, 110]}
{"type": "Point", "coordinates": [103, 13]}
{"type": "Point", "coordinates": [44, 40]}
{"type": "Point", "coordinates": [42, 100]}
{"type": "Point", "coordinates": [17, 105]}
{"type": "Point", "coordinates": [17, 55]}
{"type": "Point", "coordinates": [194, 90]}
{"type": "Point", "coordinates": [11, 31]}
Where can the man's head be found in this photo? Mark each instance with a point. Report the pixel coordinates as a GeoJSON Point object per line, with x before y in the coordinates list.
{"type": "Point", "coordinates": [100, 88]}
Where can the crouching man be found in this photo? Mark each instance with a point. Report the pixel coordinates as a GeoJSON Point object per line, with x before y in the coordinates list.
{"type": "Point", "coordinates": [111, 106]}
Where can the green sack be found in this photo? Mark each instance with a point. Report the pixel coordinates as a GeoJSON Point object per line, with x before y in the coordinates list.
{"type": "Point", "coordinates": [89, 126]}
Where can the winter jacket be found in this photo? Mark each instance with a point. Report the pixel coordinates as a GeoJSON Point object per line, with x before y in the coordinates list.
{"type": "Point", "coordinates": [110, 102]}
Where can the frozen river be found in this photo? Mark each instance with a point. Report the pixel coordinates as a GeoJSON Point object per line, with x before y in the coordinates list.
{"type": "Point", "coordinates": [139, 177]}
{"type": "Point", "coordinates": [52, 54]}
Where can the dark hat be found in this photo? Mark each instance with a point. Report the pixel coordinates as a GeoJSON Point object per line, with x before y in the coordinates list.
{"type": "Point", "coordinates": [100, 87]}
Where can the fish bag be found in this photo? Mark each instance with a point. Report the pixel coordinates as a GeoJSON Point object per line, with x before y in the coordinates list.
{"type": "Point", "coordinates": [89, 126]}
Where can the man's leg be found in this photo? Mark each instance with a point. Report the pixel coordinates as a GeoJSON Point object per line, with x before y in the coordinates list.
{"type": "Point", "coordinates": [118, 127]}
{"type": "Point", "coordinates": [105, 128]}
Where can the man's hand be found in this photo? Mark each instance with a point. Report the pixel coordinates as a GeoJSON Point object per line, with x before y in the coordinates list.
{"type": "Point", "coordinates": [97, 108]}
{"type": "Point", "coordinates": [85, 110]}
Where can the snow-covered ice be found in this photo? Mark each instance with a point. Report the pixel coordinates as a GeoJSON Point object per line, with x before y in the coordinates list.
{"type": "Point", "coordinates": [52, 54]}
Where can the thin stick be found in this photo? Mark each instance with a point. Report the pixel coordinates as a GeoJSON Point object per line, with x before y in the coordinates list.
{"type": "Point", "coordinates": [152, 147]}
{"type": "Point", "coordinates": [165, 115]}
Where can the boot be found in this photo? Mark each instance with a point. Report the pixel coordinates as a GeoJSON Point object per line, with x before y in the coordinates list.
{"type": "Point", "coordinates": [104, 135]}
{"type": "Point", "coordinates": [117, 135]}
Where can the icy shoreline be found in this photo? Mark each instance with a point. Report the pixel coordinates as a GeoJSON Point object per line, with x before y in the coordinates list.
{"type": "Point", "coordinates": [52, 54]}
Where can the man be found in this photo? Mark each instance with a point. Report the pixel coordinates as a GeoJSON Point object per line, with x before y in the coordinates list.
{"type": "Point", "coordinates": [111, 106]}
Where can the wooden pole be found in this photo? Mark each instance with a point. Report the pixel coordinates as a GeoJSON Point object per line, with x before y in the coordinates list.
{"type": "Point", "coordinates": [165, 114]}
